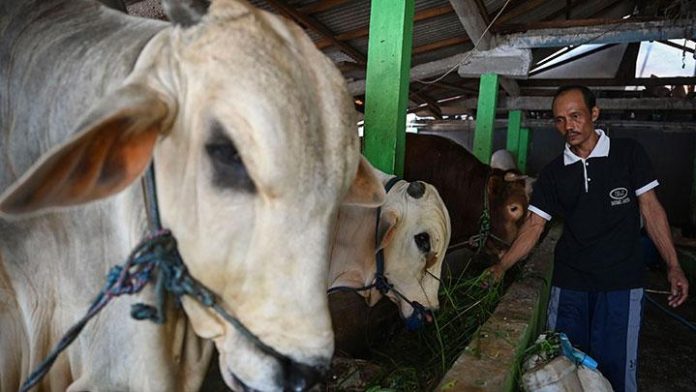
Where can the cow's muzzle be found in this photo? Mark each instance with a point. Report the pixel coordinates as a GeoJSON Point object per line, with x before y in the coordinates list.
{"type": "Point", "coordinates": [300, 377]}
{"type": "Point", "coordinates": [420, 316]}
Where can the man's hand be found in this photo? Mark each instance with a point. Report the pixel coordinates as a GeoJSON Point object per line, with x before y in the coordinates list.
{"type": "Point", "coordinates": [497, 272]}
{"type": "Point", "coordinates": [680, 286]}
{"type": "Point", "coordinates": [494, 274]}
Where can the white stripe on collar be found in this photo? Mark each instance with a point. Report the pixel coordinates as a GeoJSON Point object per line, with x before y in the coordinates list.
{"type": "Point", "coordinates": [600, 150]}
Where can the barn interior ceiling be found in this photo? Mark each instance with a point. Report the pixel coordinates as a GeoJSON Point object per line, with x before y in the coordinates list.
{"type": "Point", "coordinates": [536, 45]}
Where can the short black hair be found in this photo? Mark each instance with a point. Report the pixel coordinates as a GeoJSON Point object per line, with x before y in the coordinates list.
{"type": "Point", "coordinates": [587, 95]}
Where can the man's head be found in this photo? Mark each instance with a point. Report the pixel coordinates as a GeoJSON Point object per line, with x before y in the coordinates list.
{"type": "Point", "coordinates": [574, 111]}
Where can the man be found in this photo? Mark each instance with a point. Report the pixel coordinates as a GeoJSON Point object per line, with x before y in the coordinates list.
{"type": "Point", "coordinates": [600, 187]}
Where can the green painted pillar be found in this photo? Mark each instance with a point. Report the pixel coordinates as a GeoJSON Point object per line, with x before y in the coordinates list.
{"type": "Point", "coordinates": [485, 117]}
{"type": "Point", "coordinates": [386, 88]}
{"type": "Point", "coordinates": [518, 139]}
{"type": "Point", "coordinates": [522, 149]}
{"type": "Point", "coordinates": [513, 131]}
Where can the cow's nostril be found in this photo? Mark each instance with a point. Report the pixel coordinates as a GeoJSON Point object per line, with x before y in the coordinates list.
{"type": "Point", "coordinates": [301, 377]}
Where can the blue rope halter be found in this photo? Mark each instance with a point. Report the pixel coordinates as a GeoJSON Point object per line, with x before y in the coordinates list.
{"type": "Point", "coordinates": [420, 314]}
{"type": "Point", "coordinates": [156, 257]}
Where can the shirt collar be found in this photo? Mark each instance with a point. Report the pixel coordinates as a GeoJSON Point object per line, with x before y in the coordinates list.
{"type": "Point", "coordinates": [601, 149]}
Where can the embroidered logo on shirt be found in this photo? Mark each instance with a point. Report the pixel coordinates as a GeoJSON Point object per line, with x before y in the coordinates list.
{"type": "Point", "coordinates": [619, 196]}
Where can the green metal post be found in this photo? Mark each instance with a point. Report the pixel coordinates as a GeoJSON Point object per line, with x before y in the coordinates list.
{"type": "Point", "coordinates": [513, 131]}
{"type": "Point", "coordinates": [485, 117]}
{"type": "Point", "coordinates": [386, 89]}
{"type": "Point", "coordinates": [518, 139]}
{"type": "Point", "coordinates": [522, 149]}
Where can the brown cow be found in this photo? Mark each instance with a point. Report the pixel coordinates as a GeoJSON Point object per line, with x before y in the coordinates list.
{"type": "Point", "coordinates": [460, 178]}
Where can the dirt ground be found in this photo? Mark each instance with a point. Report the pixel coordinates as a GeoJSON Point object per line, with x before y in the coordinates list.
{"type": "Point", "coordinates": [667, 351]}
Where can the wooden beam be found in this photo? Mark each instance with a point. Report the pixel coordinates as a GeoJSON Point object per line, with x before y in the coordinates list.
{"type": "Point", "coordinates": [448, 86]}
{"type": "Point", "coordinates": [430, 103]}
{"type": "Point", "coordinates": [510, 86]}
{"type": "Point", "coordinates": [544, 103]}
{"type": "Point", "coordinates": [677, 46]}
{"type": "Point", "coordinates": [321, 6]}
{"type": "Point", "coordinates": [647, 82]}
{"type": "Point", "coordinates": [625, 32]}
{"type": "Point", "coordinates": [473, 22]}
{"type": "Point", "coordinates": [364, 31]}
{"type": "Point", "coordinates": [441, 44]}
{"type": "Point", "coordinates": [565, 24]}
{"type": "Point", "coordinates": [627, 67]}
{"type": "Point", "coordinates": [634, 125]}
{"type": "Point", "coordinates": [524, 8]}
{"type": "Point", "coordinates": [319, 28]}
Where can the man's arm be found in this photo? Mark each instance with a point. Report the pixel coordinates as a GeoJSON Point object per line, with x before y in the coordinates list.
{"type": "Point", "coordinates": [657, 226]}
{"type": "Point", "coordinates": [528, 236]}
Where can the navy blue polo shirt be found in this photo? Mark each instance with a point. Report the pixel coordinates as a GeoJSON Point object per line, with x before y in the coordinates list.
{"type": "Point", "coordinates": [597, 198]}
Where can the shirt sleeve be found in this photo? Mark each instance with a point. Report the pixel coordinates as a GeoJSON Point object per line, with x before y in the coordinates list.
{"type": "Point", "coordinates": [642, 173]}
{"type": "Point", "coordinates": [543, 201]}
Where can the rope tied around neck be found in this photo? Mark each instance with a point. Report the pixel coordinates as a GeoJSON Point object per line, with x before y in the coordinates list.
{"type": "Point", "coordinates": [155, 257]}
{"type": "Point", "coordinates": [156, 253]}
{"type": "Point", "coordinates": [478, 240]}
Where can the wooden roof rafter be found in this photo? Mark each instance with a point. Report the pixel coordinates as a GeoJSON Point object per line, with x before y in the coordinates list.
{"type": "Point", "coordinates": [319, 28]}
{"type": "Point", "coordinates": [321, 6]}
{"type": "Point", "coordinates": [365, 31]}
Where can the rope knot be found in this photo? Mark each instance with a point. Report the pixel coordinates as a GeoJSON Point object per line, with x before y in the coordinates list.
{"type": "Point", "coordinates": [382, 284]}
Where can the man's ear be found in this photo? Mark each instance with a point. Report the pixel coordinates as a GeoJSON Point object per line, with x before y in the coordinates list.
{"type": "Point", "coordinates": [595, 113]}
{"type": "Point", "coordinates": [110, 150]}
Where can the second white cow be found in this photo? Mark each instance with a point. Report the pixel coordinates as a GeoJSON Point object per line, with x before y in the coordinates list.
{"type": "Point", "coordinates": [412, 230]}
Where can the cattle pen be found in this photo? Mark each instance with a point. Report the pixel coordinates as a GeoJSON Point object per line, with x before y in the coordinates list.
{"type": "Point", "coordinates": [289, 135]}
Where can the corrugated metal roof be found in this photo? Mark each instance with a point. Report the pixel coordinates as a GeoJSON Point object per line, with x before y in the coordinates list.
{"type": "Point", "coordinates": [439, 34]}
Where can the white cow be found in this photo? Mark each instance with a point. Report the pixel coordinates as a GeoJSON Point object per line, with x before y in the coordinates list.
{"type": "Point", "coordinates": [503, 160]}
{"type": "Point", "coordinates": [252, 132]}
{"type": "Point", "coordinates": [413, 233]}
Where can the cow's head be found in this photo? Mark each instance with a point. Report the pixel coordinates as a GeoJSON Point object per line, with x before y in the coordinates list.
{"type": "Point", "coordinates": [413, 232]}
{"type": "Point", "coordinates": [508, 201]}
{"type": "Point", "coordinates": [253, 135]}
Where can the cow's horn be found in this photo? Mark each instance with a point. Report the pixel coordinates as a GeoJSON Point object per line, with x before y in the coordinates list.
{"type": "Point", "coordinates": [510, 176]}
{"type": "Point", "coordinates": [416, 189]}
{"type": "Point", "coordinates": [185, 12]}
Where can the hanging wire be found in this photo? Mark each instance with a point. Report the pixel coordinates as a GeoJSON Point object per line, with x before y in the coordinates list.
{"type": "Point", "coordinates": [469, 53]}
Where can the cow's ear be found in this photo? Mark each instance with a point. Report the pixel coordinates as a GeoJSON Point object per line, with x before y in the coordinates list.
{"type": "Point", "coordinates": [388, 220]}
{"type": "Point", "coordinates": [495, 182]}
{"type": "Point", "coordinates": [111, 149]}
{"type": "Point", "coordinates": [366, 189]}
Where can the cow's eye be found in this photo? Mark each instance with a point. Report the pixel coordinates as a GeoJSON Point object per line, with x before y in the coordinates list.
{"type": "Point", "coordinates": [228, 168]}
{"type": "Point", "coordinates": [224, 153]}
{"type": "Point", "coordinates": [422, 241]}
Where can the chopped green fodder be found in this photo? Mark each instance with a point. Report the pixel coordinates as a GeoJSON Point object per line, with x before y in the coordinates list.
{"type": "Point", "coordinates": [417, 361]}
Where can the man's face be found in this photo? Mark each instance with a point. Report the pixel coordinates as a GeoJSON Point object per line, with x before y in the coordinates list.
{"type": "Point", "coordinates": [573, 119]}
